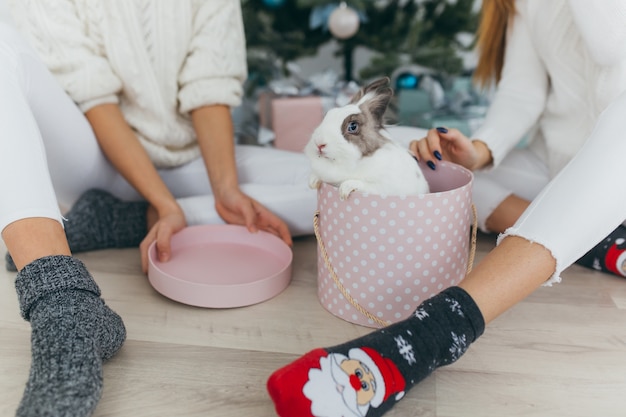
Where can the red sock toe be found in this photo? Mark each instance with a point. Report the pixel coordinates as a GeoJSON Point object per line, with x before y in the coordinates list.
{"type": "Point", "coordinates": [286, 385]}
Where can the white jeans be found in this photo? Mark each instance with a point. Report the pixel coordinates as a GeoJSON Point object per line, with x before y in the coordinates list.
{"type": "Point", "coordinates": [587, 200]}
{"type": "Point", "coordinates": [49, 156]}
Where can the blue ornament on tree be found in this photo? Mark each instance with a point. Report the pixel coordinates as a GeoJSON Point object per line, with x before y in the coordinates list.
{"type": "Point", "coordinates": [407, 81]}
{"type": "Point", "coordinates": [274, 4]}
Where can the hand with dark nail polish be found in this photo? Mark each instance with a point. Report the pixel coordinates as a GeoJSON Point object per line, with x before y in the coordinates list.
{"type": "Point", "coordinates": [438, 155]}
{"type": "Point", "coordinates": [431, 165]}
{"type": "Point", "coordinates": [442, 130]}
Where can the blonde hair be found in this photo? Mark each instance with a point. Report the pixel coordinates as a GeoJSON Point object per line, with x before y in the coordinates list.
{"type": "Point", "coordinates": [491, 39]}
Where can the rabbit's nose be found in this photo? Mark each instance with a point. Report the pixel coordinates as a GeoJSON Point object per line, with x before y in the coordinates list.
{"type": "Point", "coordinates": [320, 148]}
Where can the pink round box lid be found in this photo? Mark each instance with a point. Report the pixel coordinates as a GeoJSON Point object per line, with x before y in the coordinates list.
{"type": "Point", "coordinates": [222, 266]}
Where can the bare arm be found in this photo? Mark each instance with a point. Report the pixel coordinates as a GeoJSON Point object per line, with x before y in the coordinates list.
{"type": "Point", "coordinates": [214, 129]}
{"type": "Point", "coordinates": [121, 146]}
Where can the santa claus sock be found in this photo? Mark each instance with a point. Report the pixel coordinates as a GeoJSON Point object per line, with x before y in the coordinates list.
{"type": "Point", "coordinates": [608, 255]}
{"type": "Point", "coordinates": [98, 220]}
{"type": "Point", "coordinates": [367, 376]}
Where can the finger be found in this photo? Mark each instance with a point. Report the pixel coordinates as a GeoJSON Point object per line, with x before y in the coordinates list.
{"type": "Point", "coordinates": [434, 142]}
{"type": "Point", "coordinates": [272, 230]}
{"type": "Point", "coordinates": [285, 235]}
{"type": "Point", "coordinates": [425, 152]}
{"type": "Point", "coordinates": [282, 231]}
{"type": "Point", "coordinates": [450, 135]}
{"type": "Point", "coordinates": [413, 147]}
{"type": "Point", "coordinates": [163, 247]}
{"type": "Point", "coordinates": [271, 223]}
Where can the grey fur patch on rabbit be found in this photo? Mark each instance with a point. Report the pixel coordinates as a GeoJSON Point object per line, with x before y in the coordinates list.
{"type": "Point", "coordinates": [351, 149]}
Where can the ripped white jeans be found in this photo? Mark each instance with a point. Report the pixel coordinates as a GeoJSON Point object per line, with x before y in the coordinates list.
{"type": "Point", "coordinates": [49, 156]}
{"type": "Point", "coordinates": [587, 200]}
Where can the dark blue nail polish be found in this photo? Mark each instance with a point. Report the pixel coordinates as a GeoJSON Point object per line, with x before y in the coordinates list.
{"type": "Point", "coordinates": [442, 130]}
{"type": "Point", "coordinates": [431, 165]}
{"type": "Point", "coordinates": [438, 155]}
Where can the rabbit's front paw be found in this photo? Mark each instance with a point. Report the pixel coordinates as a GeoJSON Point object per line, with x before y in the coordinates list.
{"type": "Point", "coordinates": [314, 182]}
{"type": "Point", "coordinates": [347, 187]}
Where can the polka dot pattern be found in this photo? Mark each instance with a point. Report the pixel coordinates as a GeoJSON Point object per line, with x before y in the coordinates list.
{"type": "Point", "coordinates": [392, 252]}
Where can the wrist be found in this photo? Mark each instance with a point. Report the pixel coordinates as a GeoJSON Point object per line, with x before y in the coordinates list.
{"type": "Point", "coordinates": [223, 191]}
{"type": "Point", "coordinates": [166, 206]}
{"type": "Point", "coordinates": [483, 154]}
{"type": "Point", "coordinates": [223, 183]}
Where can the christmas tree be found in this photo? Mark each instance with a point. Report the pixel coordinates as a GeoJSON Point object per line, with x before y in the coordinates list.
{"type": "Point", "coordinates": [400, 32]}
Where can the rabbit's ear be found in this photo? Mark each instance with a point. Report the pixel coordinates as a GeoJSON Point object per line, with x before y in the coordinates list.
{"type": "Point", "coordinates": [374, 86]}
{"type": "Point", "coordinates": [375, 97]}
{"type": "Point", "coordinates": [378, 86]}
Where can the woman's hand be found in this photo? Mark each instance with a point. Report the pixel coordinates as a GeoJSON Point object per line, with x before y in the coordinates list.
{"type": "Point", "coordinates": [235, 207]}
{"type": "Point", "coordinates": [161, 228]}
{"type": "Point", "coordinates": [451, 145]}
{"type": "Point", "coordinates": [214, 128]}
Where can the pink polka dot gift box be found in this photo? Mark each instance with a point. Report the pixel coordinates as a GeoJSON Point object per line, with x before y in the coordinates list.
{"type": "Point", "coordinates": [380, 256]}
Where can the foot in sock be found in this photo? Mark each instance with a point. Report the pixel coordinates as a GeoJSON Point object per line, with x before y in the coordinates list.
{"type": "Point", "coordinates": [98, 220]}
{"type": "Point", "coordinates": [367, 376]}
{"type": "Point", "coordinates": [608, 255]}
{"type": "Point", "coordinates": [73, 333]}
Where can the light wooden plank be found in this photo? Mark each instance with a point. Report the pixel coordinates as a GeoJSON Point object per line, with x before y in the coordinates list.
{"type": "Point", "coordinates": [561, 352]}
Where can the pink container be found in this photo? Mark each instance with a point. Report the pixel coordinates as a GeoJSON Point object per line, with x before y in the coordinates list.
{"type": "Point", "coordinates": [221, 266]}
{"type": "Point", "coordinates": [390, 253]}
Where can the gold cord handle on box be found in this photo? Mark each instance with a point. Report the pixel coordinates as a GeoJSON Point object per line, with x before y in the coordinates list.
{"type": "Point", "coordinates": [344, 291]}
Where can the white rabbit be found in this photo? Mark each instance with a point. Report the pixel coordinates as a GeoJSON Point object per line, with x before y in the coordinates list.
{"type": "Point", "coordinates": [351, 150]}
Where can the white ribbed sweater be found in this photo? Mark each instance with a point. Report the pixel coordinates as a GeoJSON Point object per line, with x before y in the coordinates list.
{"type": "Point", "coordinates": [158, 59]}
{"type": "Point", "coordinates": [565, 62]}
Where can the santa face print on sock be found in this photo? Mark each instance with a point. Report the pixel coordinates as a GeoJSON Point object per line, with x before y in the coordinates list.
{"type": "Point", "coordinates": [352, 383]}
{"type": "Point", "coordinates": [609, 255]}
{"type": "Point", "coordinates": [366, 377]}
{"type": "Point", "coordinates": [615, 259]}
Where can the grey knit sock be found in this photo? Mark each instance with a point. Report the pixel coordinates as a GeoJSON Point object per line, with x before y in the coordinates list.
{"type": "Point", "coordinates": [73, 333]}
{"type": "Point", "coordinates": [98, 220]}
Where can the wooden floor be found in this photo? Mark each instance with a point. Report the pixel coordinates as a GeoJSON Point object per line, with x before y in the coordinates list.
{"type": "Point", "coordinates": [559, 353]}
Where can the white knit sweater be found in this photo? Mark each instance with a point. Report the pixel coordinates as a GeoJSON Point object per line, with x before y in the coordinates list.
{"type": "Point", "coordinates": [565, 62]}
{"type": "Point", "coordinates": [158, 59]}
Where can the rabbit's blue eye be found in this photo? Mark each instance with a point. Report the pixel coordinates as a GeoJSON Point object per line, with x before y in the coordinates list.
{"type": "Point", "coordinates": [353, 127]}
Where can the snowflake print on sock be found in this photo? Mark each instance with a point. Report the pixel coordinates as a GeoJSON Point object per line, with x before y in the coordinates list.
{"type": "Point", "coordinates": [420, 313]}
{"type": "Point", "coordinates": [459, 346]}
{"type": "Point", "coordinates": [455, 306]}
{"type": "Point", "coordinates": [405, 349]}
